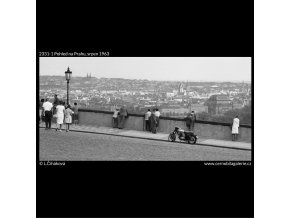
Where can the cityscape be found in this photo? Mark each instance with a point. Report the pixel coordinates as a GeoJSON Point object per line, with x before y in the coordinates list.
{"type": "Point", "coordinates": [211, 101]}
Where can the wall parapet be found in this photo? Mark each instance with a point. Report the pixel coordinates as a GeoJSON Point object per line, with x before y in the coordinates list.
{"type": "Point", "coordinates": [204, 129]}
{"type": "Point", "coordinates": [165, 118]}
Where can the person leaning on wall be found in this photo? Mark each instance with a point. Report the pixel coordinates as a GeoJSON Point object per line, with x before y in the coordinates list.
{"type": "Point", "coordinates": [41, 111]}
{"type": "Point", "coordinates": [153, 122]}
{"type": "Point", "coordinates": [157, 115]}
{"type": "Point", "coordinates": [115, 117]}
{"type": "Point", "coordinates": [122, 117]}
{"type": "Point", "coordinates": [193, 120]}
{"type": "Point", "coordinates": [235, 128]}
{"type": "Point", "coordinates": [147, 120]}
{"type": "Point", "coordinates": [75, 114]}
{"type": "Point", "coordinates": [188, 121]}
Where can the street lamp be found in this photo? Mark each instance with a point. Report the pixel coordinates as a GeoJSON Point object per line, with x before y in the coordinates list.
{"type": "Point", "coordinates": [68, 77]}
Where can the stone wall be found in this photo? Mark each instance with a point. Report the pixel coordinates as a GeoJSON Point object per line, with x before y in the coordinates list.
{"type": "Point", "coordinates": [203, 129]}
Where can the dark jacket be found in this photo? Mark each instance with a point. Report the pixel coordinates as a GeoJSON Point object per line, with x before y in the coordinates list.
{"type": "Point", "coordinates": [123, 112]}
{"type": "Point", "coordinates": [194, 117]}
{"type": "Point", "coordinates": [56, 102]}
{"type": "Point", "coordinates": [189, 120]}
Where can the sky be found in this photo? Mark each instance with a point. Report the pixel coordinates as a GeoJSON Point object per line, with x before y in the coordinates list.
{"type": "Point", "coordinates": [152, 68]}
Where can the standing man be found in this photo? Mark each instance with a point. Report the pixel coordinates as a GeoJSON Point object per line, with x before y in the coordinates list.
{"type": "Point", "coordinates": [115, 118]}
{"type": "Point", "coordinates": [41, 110]}
{"type": "Point", "coordinates": [47, 107]}
{"type": "Point", "coordinates": [193, 120]}
{"type": "Point", "coordinates": [147, 122]}
{"type": "Point", "coordinates": [75, 114]}
{"type": "Point", "coordinates": [123, 115]}
{"type": "Point", "coordinates": [55, 103]}
{"type": "Point", "coordinates": [189, 121]}
{"type": "Point", "coordinates": [235, 128]}
{"type": "Point", "coordinates": [56, 100]}
{"type": "Point", "coordinates": [153, 122]}
{"type": "Point", "coordinates": [157, 114]}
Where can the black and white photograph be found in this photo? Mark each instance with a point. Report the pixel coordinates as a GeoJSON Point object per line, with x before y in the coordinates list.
{"type": "Point", "coordinates": [144, 111]}
{"type": "Point", "coordinates": [144, 108]}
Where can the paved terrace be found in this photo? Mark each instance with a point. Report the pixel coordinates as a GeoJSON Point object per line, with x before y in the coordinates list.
{"type": "Point", "coordinates": [135, 122]}
{"type": "Point", "coordinates": [149, 136]}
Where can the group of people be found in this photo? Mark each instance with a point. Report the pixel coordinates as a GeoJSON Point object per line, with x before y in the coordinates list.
{"type": "Point", "coordinates": [119, 117]}
{"type": "Point", "coordinates": [63, 113]}
{"type": "Point", "coordinates": [152, 120]}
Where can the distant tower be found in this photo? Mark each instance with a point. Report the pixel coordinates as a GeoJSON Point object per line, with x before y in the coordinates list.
{"type": "Point", "coordinates": [87, 75]}
{"type": "Point", "coordinates": [180, 88]}
{"type": "Point", "coordinates": [90, 75]}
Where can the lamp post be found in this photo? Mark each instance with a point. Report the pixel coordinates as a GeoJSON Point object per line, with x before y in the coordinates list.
{"type": "Point", "coordinates": [68, 74]}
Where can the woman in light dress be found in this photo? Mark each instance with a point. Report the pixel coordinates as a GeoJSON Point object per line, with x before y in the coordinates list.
{"type": "Point", "coordinates": [60, 110]}
{"type": "Point", "coordinates": [68, 117]}
{"type": "Point", "coordinates": [235, 128]}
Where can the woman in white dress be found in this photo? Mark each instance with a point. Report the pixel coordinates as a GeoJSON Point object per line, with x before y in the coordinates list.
{"type": "Point", "coordinates": [60, 110]}
{"type": "Point", "coordinates": [235, 128]}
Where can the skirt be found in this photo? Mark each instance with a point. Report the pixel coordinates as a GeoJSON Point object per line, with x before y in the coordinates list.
{"type": "Point", "coordinates": [59, 118]}
{"type": "Point", "coordinates": [68, 119]}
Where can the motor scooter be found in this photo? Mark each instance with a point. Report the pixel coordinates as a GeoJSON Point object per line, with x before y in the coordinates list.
{"type": "Point", "coordinates": [186, 136]}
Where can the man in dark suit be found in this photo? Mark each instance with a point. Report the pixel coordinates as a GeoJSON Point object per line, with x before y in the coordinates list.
{"type": "Point", "coordinates": [193, 120]}
{"type": "Point", "coordinates": [122, 117]}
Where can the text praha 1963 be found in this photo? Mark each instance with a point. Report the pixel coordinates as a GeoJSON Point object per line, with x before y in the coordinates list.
{"type": "Point", "coordinates": [74, 54]}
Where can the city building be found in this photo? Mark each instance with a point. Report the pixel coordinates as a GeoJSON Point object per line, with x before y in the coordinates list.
{"type": "Point", "coordinates": [218, 104]}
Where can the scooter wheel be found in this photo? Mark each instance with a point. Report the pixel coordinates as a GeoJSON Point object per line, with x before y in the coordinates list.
{"type": "Point", "coordinates": [192, 140]}
{"type": "Point", "coordinates": [171, 137]}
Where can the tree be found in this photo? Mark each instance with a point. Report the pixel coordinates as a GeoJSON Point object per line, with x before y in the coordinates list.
{"type": "Point", "coordinates": [204, 116]}
{"type": "Point", "coordinates": [244, 114]}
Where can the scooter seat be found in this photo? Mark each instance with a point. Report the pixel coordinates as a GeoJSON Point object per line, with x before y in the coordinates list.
{"type": "Point", "coordinates": [188, 132]}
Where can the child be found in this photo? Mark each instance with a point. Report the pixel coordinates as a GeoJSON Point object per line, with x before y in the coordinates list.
{"type": "Point", "coordinates": [68, 117]}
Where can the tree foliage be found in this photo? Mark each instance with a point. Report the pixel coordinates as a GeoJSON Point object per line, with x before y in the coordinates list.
{"type": "Point", "coordinates": [245, 116]}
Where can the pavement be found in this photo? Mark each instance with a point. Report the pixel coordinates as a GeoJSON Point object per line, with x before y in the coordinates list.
{"type": "Point", "coordinates": [150, 136]}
